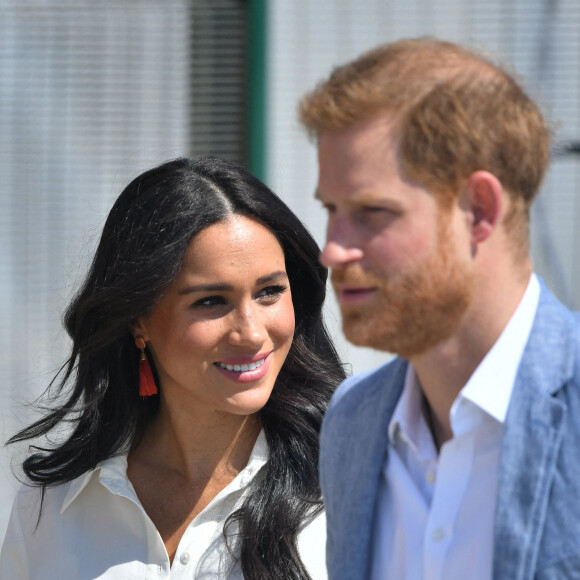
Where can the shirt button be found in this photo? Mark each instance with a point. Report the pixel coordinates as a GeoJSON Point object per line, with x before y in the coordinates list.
{"type": "Point", "coordinates": [430, 477]}
{"type": "Point", "coordinates": [438, 534]}
{"type": "Point", "coordinates": [185, 558]}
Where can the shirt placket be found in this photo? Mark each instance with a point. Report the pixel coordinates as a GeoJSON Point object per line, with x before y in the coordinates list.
{"type": "Point", "coordinates": [204, 530]}
{"type": "Point", "coordinates": [455, 464]}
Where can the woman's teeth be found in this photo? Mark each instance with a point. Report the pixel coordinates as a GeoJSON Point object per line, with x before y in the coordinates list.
{"type": "Point", "coordinates": [242, 368]}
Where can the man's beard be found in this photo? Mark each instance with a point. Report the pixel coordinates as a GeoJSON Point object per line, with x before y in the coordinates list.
{"type": "Point", "coordinates": [412, 311]}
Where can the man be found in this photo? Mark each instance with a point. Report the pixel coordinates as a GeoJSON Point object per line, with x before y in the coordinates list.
{"type": "Point", "coordinates": [459, 459]}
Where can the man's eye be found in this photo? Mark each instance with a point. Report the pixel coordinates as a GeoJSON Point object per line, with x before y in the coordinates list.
{"type": "Point", "coordinates": [375, 209]}
{"type": "Point", "coordinates": [375, 212]}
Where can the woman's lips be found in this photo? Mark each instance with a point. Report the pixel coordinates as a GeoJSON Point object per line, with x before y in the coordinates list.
{"type": "Point", "coordinates": [244, 370]}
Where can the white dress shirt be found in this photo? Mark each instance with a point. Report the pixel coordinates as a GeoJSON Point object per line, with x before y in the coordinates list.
{"type": "Point", "coordinates": [436, 512]}
{"type": "Point", "coordinates": [95, 527]}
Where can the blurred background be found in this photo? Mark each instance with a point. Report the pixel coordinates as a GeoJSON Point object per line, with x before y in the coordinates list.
{"type": "Point", "coordinates": [93, 92]}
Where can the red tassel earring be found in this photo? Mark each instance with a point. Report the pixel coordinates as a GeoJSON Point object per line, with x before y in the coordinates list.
{"type": "Point", "coordinates": [147, 386]}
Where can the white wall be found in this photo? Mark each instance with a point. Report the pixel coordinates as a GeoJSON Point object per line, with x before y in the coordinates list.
{"type": "Point", "coordinates": [91, 94]}
{"type": "Point", "coordinates": [307, 38]}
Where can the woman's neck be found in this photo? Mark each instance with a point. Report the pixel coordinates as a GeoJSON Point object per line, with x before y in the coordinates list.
{"type": "Point", "coordinates": [196, 444]}
{"type": "Point", "coordinates": [182, 462]}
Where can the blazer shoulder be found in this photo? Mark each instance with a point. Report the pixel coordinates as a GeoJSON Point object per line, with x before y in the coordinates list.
{"type": "Point", "coordinates": [555, 336]}
{"type": "Point", "coordinates": [367, 383]}
{"type": "Point", "coordinates": [364, 395]}
{"type": "Point", "coordinates": [554, 316]}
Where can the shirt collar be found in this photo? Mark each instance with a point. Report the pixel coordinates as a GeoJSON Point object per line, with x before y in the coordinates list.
{"type": "Point", "coordinates": [113, 473]}
{"type": "Point", "coordinates": [491, 385]}
{"type": "Point", "coordinates": [407, 421]}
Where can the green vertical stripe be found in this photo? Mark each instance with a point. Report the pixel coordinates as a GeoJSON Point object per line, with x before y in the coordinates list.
{"type": "Point", "coordinates": [256, 145]}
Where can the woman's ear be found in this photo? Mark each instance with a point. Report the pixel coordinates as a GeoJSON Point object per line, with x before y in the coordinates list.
{"type": "Point", "coordinates": [137, 329]}
{"type": "Point", "coordinates": [483, 198]}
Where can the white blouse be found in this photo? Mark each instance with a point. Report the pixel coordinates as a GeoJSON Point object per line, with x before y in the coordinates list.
{"type": "Point", "coordinates": [95, 527]}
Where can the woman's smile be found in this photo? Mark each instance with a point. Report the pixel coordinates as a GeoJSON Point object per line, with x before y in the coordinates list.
{"type": "Point", "coordinates": [245, 373]}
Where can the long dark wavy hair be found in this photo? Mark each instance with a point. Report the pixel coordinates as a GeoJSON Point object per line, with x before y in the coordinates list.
{"type": "Point", "coordinates": [142, 245]}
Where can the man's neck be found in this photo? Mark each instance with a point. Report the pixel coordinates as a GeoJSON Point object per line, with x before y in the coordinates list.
{"type": "Point", "coordinates": [445, 369]}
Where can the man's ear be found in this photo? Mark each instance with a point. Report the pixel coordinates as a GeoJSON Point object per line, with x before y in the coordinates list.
{"type": "Point", "coordinates": [483, 198]}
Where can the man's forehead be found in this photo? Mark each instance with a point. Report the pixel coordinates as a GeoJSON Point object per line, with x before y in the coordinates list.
{"type": "Point", "coordinates": [360, 170]}
{"type": "Point", "coordinates": [377, 129]}
{"type": "Point", "coordinates": [354, 196]}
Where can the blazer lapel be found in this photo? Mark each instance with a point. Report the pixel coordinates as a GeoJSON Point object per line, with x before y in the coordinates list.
{"type": "Point", "coordinates": [533, 434]}
{"type": "Point", "coordinates": [359, 445]}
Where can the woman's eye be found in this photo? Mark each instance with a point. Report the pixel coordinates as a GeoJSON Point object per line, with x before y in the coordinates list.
{"type": "Point", "coordinates": [210, 301]}
{"type": "Point", "coordinates": [272, 291]}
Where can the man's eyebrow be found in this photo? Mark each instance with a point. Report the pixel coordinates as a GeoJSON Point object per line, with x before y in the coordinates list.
{"type": "Point", "coordinates": [362, 196]}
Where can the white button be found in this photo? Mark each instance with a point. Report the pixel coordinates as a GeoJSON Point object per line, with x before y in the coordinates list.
{"type": "Point", "coordinates": [430, 477]}
{"type": "Point", "coordinates": [184, 558]}
{"type": "Point", "coordinates": [438, 534]}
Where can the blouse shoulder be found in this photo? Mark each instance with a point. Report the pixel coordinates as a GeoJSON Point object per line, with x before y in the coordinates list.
{"type": "Point", "coordinates": [312, 546]}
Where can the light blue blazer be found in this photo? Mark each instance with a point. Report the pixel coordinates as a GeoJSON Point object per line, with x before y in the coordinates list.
{"type": "Point", "coordinates": [537, 511]}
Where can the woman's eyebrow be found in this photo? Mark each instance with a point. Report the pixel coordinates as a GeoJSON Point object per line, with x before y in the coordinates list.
{"type": "Point", "coordinates": [223, 287]}
{"type": "Point", "coordinates": [217, 287]}
{"type": "Point", "coordinates": [272, 277]}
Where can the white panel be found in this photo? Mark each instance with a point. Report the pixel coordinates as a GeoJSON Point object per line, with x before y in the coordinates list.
{"type": "Point", "coordinates": [538, 37]}
{"type": "Point", "coordinates": [91, 94]}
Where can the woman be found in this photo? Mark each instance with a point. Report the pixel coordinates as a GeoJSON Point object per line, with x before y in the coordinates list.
{"type": "Point", "coordinates": [192, 400]}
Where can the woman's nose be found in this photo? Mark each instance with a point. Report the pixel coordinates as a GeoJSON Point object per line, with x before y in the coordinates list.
{"type": "Point", "coordinates": [248, 328]}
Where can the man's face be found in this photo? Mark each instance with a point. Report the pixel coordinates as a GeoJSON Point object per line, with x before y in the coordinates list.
{"type": "Point", "coordinates": [400, 263]}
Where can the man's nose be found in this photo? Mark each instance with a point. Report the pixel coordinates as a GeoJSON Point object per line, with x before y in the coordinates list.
{"type": "Point", "coordinates": [336, 255]}
{"type": "Point", "coordinates": [342, 246]}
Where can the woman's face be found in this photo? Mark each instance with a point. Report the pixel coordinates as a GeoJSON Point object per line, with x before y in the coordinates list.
{"type": "Point", "coordinates": [222, 330]}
